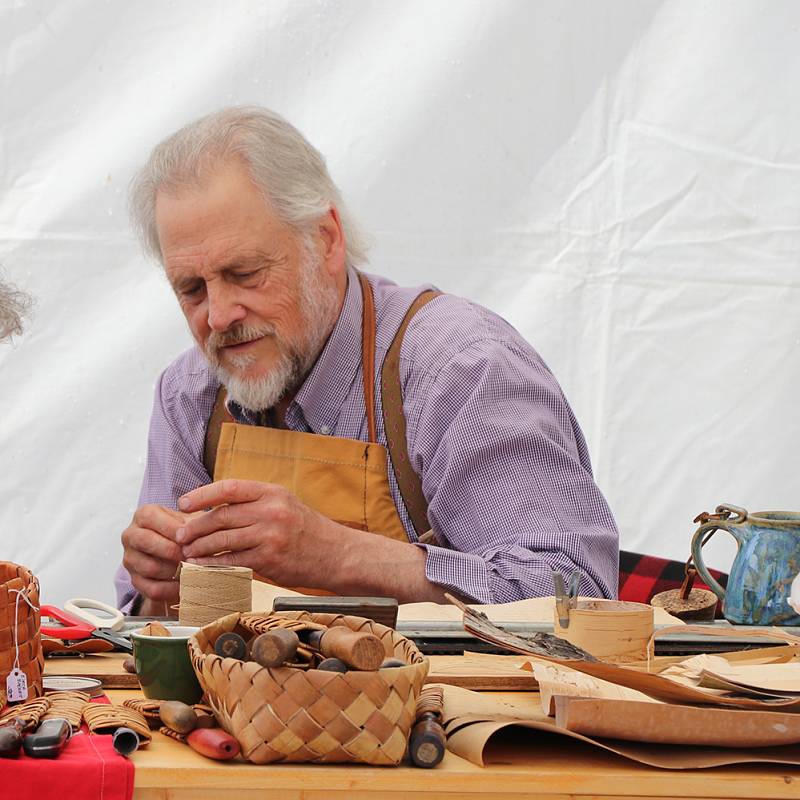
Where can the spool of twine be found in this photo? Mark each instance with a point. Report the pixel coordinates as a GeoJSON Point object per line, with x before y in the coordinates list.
{"type": "Point", "coordinates": [610, 630]}
{"type": "Point", "coordinates": [208, 593]}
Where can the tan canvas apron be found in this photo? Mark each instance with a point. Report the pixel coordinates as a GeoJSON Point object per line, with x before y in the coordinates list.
{"type": "Point", "coordinates": [346, 480]}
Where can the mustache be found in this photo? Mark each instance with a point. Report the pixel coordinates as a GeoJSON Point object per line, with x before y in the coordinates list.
{"type": "Point", "coordinates": [239, 335]}
{"type": "Point", "coordinates": [236, 335]}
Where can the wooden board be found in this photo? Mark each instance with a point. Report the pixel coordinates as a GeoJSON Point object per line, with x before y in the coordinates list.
{"type": "Point", "coordinates": [475, 671]}
{"type": "Point", "coordinates": [667, 723]}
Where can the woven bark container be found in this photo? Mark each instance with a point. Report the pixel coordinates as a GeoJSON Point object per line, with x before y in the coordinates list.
{"type": "Point", "coordinates": [31, 660]}
{"type": "Point", "coordinates": [286, 714]}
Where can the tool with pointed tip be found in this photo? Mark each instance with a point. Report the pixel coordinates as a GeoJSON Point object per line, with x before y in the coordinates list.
{"type": "Point", "coordinates": [566, 600]}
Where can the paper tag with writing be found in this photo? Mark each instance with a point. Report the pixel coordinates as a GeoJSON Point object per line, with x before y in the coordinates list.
{"type": "Point", "coordinates": [17, 685]}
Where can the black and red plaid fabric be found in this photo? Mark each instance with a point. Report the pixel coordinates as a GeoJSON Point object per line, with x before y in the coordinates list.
{"type": "Point", "coordinates": [641, 576]}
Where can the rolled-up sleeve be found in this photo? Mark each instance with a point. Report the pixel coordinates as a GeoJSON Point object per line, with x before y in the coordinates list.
{"type": "Point", "coordinates": [506, 473]}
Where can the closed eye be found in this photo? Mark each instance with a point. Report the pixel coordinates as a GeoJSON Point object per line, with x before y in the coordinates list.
{"type": "Point", "coordinates": [249, 276]}
{"type": "Point", "coordinates": [190, 290]}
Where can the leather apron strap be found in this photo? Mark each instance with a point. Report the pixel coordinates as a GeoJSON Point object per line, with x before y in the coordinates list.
{"type": "Point", "coordinates": [394, 424]}
{"type": "Point", "coordinates": [368, 330]}
{"type": "Point", "coordinates": [219, 414]}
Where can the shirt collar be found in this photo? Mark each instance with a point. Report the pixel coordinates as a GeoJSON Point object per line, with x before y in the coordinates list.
{"type": "Point", "coordinates": [319, 401]}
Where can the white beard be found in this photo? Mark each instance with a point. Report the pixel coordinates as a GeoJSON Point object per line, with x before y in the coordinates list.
{"type": "Point", "coordinates": [319, 309]}
{"type": "Point", "coordinates": [263, 392]}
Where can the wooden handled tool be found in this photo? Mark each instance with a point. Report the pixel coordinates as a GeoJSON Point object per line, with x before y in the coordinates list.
{"type": "Point", "coordinates": [178, 716]}
{"type": "Point", "coordinates": [231, 645]}
{"type": "Point", "coordinates": [11, 737]}
{"type": "Point", "coordinates": [427, 742]}
{"type": "Point", "coordinates": [358, 649]}
{"type": "Point", "coordinates": [213, 743]}
{"type": "Point", "coordinates": [209, 742]}
{"type": "Point", "coordinates": [275, 647]}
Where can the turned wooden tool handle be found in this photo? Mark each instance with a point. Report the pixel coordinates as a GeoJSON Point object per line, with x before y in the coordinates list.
{"type": "Point", "coordinates": [11, 737]}
{"type": "Point", "coordinates": [213, 743]}
{"type": "Point", "coordinates": [358, 649]}
{"type": "Point", "coordinates": [427, 742]}
{"type": "Point", "coordinates": [275, 647]}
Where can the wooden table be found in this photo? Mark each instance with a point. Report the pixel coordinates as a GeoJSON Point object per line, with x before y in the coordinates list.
{"type": "Point", "coordinates": [536, 765]}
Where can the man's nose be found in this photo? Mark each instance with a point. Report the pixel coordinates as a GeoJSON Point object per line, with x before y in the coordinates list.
{"type": "Point", "coordinates": [223, 309]}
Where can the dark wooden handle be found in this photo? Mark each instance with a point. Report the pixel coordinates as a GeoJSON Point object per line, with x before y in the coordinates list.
{"type": "Point", "coordinates": [10, 741]}
{"type": "Point", "coordinates": [427, 742]}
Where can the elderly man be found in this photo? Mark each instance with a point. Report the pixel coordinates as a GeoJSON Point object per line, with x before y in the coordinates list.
{"type": "Point", "coordinates": [363, 439]}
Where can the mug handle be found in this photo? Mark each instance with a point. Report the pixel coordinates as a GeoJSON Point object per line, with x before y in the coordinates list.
{"type": "Point", "coordinates": [714, 522]}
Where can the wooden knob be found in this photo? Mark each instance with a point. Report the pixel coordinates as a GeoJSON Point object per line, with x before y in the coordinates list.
{"type": "Point", "coordinates": [275, 647]}
{"type": "Point", "coordinates": [178, 716]}
{"type": "Point", "coordinates": [231, 645]}
{"type": "Point", "coordinates": [358, 649]}
{"type": "Point", "coordinates": [10, 741]}
{"type": "Point", "coordinates": [427, 742]}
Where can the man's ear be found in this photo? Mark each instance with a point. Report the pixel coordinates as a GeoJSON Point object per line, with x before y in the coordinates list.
{"type": "Point", "coordinates": [332, 242]}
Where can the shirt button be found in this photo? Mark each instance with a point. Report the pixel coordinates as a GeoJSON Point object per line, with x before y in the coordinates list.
{"type": "Point", "coordinates": [325, 430]}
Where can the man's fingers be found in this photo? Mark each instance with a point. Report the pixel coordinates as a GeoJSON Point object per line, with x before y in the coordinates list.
{"type": "Point", "coordinates": [178, 515]}
{"type": "Point", "coordinates": [227, 491]}
{"type": "Point", "coordinates": [159, 519]}
{"type": "Point", "coordinates": [236, 540]}
{"type": "Point", "coordinates": [156, 590]}
{"type": "Point", "coordinates": [154, 544]}
{"type": "Point", "coordinates": [244, 558]}
{"type": "Point", "coordinates": [153, 568]}
{"type": "Point", "coordinates": [224, 517]}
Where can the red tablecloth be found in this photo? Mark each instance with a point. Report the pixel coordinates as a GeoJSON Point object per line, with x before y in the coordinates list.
{"type": "Point", "coordinates": [87, 769]}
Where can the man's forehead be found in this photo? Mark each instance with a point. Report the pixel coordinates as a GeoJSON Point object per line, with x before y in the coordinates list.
{"type": "Point", "coordinates": [220, 219]}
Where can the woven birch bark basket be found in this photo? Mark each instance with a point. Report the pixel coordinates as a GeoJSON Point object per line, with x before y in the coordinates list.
{"type": "Point", "coordinates": [290, 715]}
{"type": "Point", "coordinates": [13, 577]}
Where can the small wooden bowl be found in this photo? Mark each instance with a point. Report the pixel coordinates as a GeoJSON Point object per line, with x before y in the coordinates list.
{"type": "Point", "coordinates": [700, 606]}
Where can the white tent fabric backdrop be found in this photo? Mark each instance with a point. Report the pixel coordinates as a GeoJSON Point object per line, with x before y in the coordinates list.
{"type": "Point", "coordinates": [620, 180]}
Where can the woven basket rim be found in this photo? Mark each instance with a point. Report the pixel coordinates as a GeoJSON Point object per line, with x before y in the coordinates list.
{"type": "Point", "coordinates": [233, 619]}
{"type": "Point", "coordinates": [195, 651]}
{"type": "Point", "coordinates": [9, 565]}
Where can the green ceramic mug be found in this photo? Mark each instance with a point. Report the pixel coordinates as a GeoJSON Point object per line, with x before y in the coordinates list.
{"type": "Point", "coordinates": [163, 666]}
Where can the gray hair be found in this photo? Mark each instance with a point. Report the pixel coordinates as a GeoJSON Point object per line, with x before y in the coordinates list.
{"type": "Point", "coordinates": [13, 307]}
{"type": "Point", "coordinates": [284, 166]}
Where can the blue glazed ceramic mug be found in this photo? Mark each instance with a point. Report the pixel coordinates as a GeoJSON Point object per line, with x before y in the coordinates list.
{"type": "Point", "coordinates": [767, 561]}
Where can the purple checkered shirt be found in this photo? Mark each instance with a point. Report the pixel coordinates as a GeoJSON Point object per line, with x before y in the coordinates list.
{"type": "Point", "coordinates": [504, 465]}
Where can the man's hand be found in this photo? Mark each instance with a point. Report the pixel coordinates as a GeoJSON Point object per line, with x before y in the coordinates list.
{"type": "Point", "coordinates": [265, 527]}
{"type": "Point", "coordinates": [151, 555]}
{"type": "Point", "coordinates": [258, 525]}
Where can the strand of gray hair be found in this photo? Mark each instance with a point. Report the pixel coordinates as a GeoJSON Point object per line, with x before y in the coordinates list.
{"type": "Point", "coordinates": [14, 305]}
{"type": "Point", "coordinates": [288, 170]}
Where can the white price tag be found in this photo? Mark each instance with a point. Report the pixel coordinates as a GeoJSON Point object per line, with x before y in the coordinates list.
{"type": "Point", "coordinates": [17, 685]}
